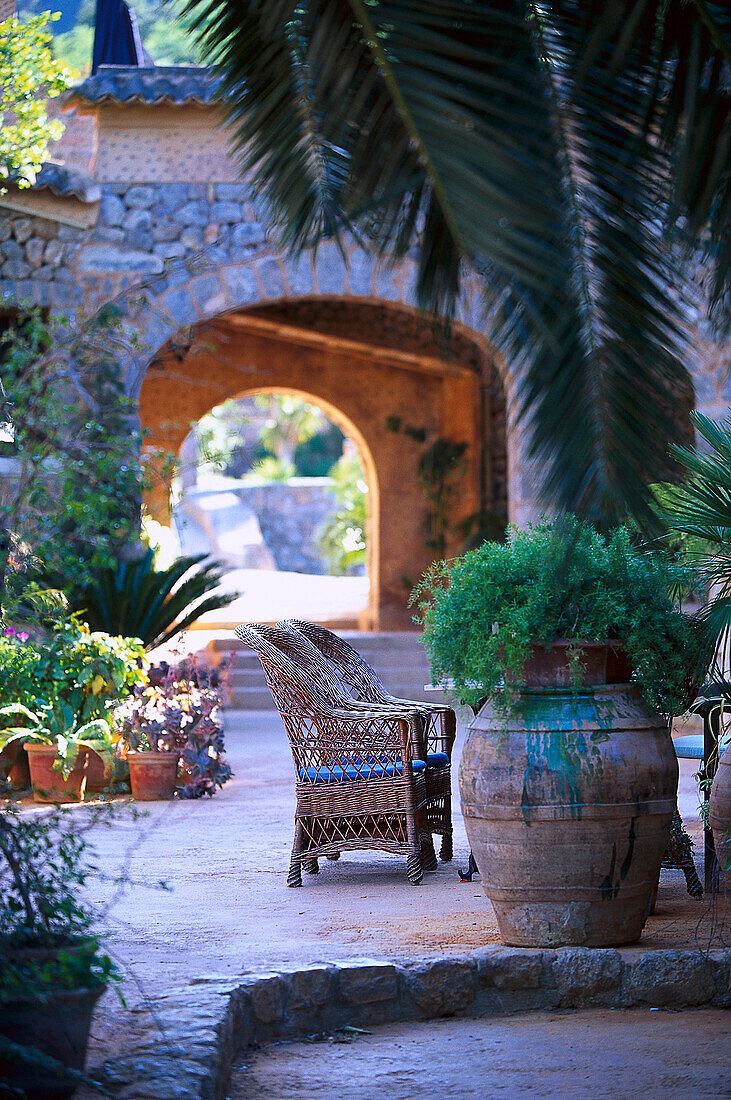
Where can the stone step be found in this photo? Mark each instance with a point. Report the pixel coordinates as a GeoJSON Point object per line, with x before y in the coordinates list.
{"type": "Point", "coordinates": [250, 698]}
{"type": "Point", "coordinates": [399, 659]}
{"type": "Point", "coordinates": [363, 641]}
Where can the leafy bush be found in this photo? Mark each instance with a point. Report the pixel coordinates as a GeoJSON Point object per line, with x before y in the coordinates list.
{"type": "Point", "coordinates": [179, 709]}
{"type": "Point", "coordinates": [86, 671]}
{"type": "Point", "coordinates": [483, 611]}
{"type": "Point", "coordinates": [20, 668]}
{"type": "Point", "coordinates": [90, 671]}
{"type": "Point", "coordinates": [134, 599]}
{"type": "Point", "coordinates": [73, 503]}
{"type": "Point", "coordinates": [44, 865]}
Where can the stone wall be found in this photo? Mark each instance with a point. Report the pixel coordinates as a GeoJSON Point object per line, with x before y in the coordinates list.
{"type": "Point", "coordinates": [290, 515]}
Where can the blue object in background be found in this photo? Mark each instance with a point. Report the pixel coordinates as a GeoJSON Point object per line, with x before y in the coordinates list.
{"type": "Point", "coordinates": [116, 37]}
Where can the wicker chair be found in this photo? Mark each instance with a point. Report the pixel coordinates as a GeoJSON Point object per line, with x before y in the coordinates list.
{"type": "Point", "coordinates": [360, 771]}
{"type": "Point", "coordinates": [438, 721]}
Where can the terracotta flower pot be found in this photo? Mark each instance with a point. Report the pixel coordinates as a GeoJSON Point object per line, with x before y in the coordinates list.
{"type": "Point", "coordinates": [568, 802]}
{"type": "Point", "coordinates": [153, 775]}
{"type": "Point", "coordinates": [14, 763]}
{"type": "Point", "coordinates": [48, 783]}
{"type": "Point", "coordinates": [719, 812]}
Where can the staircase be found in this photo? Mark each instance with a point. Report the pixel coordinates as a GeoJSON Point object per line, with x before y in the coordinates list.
{"type": "Point", "coordinates": [399, 659]}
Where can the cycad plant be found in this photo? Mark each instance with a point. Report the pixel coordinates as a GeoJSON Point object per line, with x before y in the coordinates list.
{"type": "Point", "coordinates": [568, 151]}
{"type": "Point", "coordinates": [700, 510]}
{"type": "Point", "coordinates": [136, 600]}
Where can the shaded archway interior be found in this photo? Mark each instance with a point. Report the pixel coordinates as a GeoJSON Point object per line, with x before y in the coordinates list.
{"type": "Point", "coordinates": [373, 367]}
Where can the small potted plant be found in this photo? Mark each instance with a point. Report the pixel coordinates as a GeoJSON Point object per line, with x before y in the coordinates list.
{"type": "Point", "coordinates": [171, 734]}
{"type": "Point", "coordinates": [65, 758]}
{"type": "Point", "coordinates": [52, 970]}
{"type": "Point", "coordinates": [574, 651]}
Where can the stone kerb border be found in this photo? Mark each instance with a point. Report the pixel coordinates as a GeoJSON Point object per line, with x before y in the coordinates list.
{"type": "Point", "coordinates": [206, 1024]}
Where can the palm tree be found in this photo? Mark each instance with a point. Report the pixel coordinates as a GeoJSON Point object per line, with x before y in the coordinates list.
{"type": "Point", "coordinates": [570, 151]}
{"type": "Point", "coordinates": [699, 510]}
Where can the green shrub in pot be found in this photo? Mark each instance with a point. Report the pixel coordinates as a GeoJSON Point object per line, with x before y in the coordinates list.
{"type": "Point", "coordinates": [485, 611]}
{"type": "Point", "coordinates": [568, 777]}
{"type": "Point", "coordinates": [52, 969]}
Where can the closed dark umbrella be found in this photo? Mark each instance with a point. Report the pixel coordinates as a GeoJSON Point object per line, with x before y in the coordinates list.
{"type": "Point", "coordinates": [116, 37]}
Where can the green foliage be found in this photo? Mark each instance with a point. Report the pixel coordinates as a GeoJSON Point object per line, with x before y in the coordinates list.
{"type": "Point", "coordinates": [699, 510]}
{"type": "Point", "coordinates": [29, 76]}
{"type": "Point", "coordinates": [89, 671]}
{"type": "Point", "coordinates": [271, 468]}
{"type": "Point", "coordinates": [73, 503]}
{"type": "Point", "coordinates": [342, 538]}
{"type": "Point", "coordinates": [315, 457]}
{"type": "Point", "coordinates": [20, 669]}
{"type": "Point", "coordinates": [483, 611]}
{"type": "Point", "coordinates": [559, 149]}
{"type": "Point", "coordinates": [134, 599]}
{"type": "Point", "coordinates": [75, 48]}
{"type": "Point", "coordinates": [60, 690]}
{"type": "Point", "coordinates": [290, 422]}
{"type": "Point", "coordinates": [44, 864]}
{"type": "Point", "coordinates": [56, 724]}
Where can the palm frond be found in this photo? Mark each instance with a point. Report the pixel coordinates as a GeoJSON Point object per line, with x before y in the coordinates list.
{"type": "Point", "coordinates": [136, 600]}
{"type": "Point", "coordinates": [504, 135]}
{"type": "Point", "coordinates": [677, 57]}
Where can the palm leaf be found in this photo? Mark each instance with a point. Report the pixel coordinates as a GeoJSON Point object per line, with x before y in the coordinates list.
{"type": "Point", "coordinates": [701, 507]}
{"type": "Point", "coordinates": [486, 134]}
{"type": "Point", "coordinates": [677, 57]}
{"type": "Point", "coordinates": [139, 601]}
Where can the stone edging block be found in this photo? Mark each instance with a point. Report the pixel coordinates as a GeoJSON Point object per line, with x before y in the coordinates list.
{"type": "Point", "coordinates": [203, 1026]}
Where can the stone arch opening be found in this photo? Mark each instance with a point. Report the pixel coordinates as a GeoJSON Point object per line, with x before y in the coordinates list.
{"type": "Point", "coordinates": [382, 368]}
{"type": "Point", "coordinates": [267, 501]}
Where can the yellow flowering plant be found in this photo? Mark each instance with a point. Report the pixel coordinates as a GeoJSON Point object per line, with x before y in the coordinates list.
{"type": "Point", "coordinates": [30, 75]}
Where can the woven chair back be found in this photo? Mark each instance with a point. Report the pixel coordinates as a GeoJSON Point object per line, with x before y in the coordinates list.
{"type": "Point", "coordinates": [308, 702]}
{"type": "Point", "coordinates": [356, 674]}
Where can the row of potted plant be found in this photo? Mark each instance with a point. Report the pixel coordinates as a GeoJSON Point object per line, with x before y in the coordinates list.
{"type": "Point", "coordinates": [82, 712]}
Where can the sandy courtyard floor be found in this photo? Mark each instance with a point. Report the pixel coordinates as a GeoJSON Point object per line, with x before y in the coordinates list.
{"type": "Point", "coordinates": [228, 910]}
{"type": "Point", "coordinates": [542, 1055]}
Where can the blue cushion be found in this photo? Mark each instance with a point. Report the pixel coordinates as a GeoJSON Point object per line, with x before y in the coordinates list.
{"type": "Point", "coordinates": [690, 747]}
{"type": "Point", "coordinates": [370, 768]}
{"type": "Point", "coordinates": [435, 760]}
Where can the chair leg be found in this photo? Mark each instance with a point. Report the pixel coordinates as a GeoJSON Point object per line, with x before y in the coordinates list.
{"type": "Point", "coordinates": [428, 855]}
{"type": "Point", "coordinates": [311, 866]}
{"type": "Point", "coordinates": [294, 878]}
{"type": "Point", "coordinates": [414, 871]}
{"type": "Point", "coordinates": [446, 850]}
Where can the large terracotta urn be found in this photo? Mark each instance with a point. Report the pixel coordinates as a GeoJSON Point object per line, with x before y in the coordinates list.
{"type": "Point", "coordinates": [567, 799]}
{"type": "Point", "coordinates": [719, 812]}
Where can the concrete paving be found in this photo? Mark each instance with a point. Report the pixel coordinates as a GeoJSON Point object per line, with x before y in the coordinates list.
{"type": "Point", "coordinates": [544, 1055]}
{"type": "Point", "coordinates": [225, 862]}
{"type": "Point", "coordinates": [228, 910]}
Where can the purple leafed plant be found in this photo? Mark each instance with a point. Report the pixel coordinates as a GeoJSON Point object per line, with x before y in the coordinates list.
{"type": "Point", "coordinates": [179, 709]}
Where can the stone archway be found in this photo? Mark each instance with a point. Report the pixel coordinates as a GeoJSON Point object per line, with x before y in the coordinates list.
{"type": "Point", "coordinates": [375, 363]}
